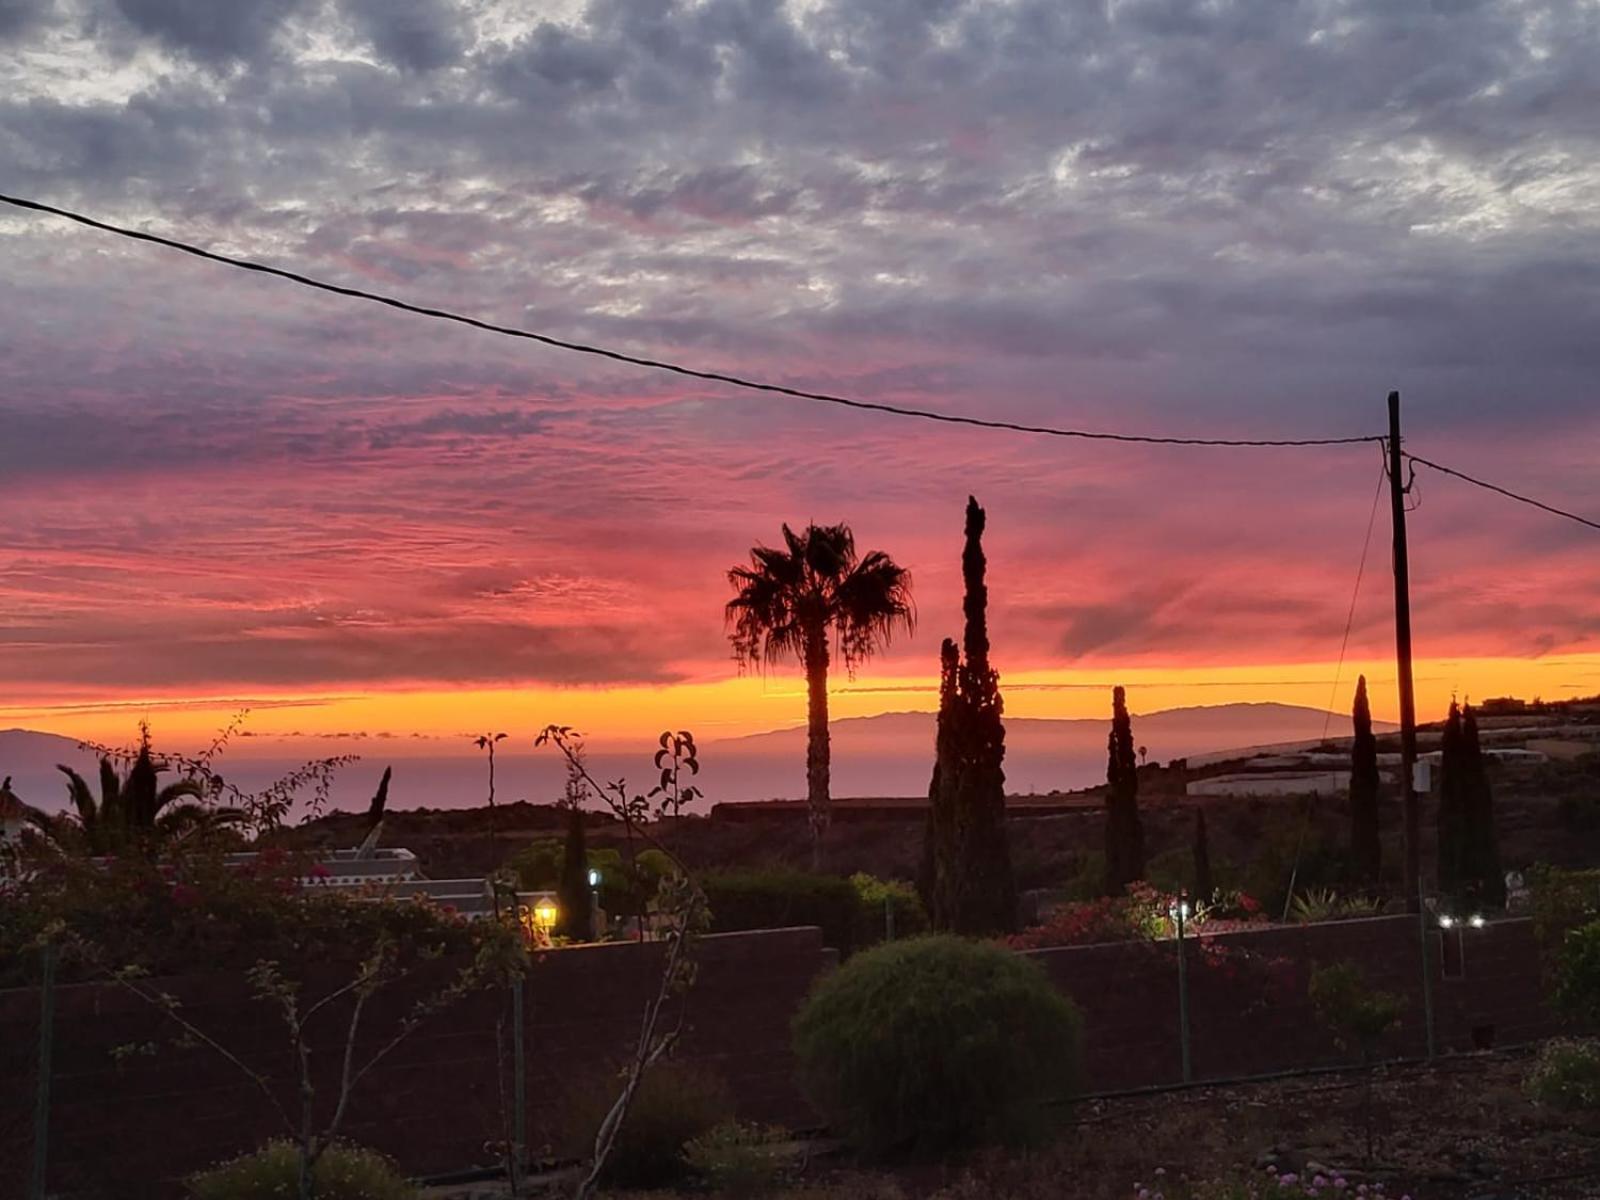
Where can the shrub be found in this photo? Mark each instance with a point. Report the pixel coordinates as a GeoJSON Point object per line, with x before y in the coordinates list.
{"type": "Point", "coordinates": [195, 909]}
{"type": "Point", "coordinates": [1566, 1075]}
{"type": "Point", "coordinates": [675, 1104]}
{"type": "Point", "coordinates": [1577, 973]}
{"type": "Point", "coordinates": [936, 1042]}
{"type": "Point", "coordinates": [874, 896]}
{"type": "Point", "coordinates": [1561, 901]}
{"type": "Point", "coordinates": [776, 899]}
{"type": "Point", "coordinates": [734, 1159]}
{"type": "Point", "coordinates": [1087, 923]}
{"type": "Point", "coordinates": [1350, 1007]}
{"type": "Point", "coordinates": [537, 865]}
{"type": "Point", "coordinates": [273, 1172]}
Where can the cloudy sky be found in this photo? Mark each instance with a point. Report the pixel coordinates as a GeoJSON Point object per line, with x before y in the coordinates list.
{"type": "Point", "coordinates": [1160, 216]}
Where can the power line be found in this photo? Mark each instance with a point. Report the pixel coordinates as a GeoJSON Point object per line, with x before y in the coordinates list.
{"type": "Point", "coordinates": [1355, 593]}
{"type": "Point", "coordinates": [440, 314]}
{"type": "Point", "coordinates": [1338, 672]}
{"type": "Point", "coordinates": [1507, 492]}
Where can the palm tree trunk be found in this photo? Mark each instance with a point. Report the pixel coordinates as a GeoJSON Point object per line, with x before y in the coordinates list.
{"type": "Point", "coordinates": [817, 757]}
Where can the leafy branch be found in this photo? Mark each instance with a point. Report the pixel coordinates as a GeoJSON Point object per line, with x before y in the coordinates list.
{"type": "Point", "coordinates": [680, 904]}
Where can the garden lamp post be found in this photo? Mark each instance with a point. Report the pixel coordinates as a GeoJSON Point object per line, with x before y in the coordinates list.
{"type": "Point", "coordinates": [594, 903]}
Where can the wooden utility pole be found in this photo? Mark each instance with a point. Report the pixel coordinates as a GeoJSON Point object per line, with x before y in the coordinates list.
{"type": "Point", "coordinates": [1402, 647]}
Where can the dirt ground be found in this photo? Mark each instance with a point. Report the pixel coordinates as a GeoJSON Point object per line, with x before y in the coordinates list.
{"type": "Point", "coordinates": [1458, 1130]}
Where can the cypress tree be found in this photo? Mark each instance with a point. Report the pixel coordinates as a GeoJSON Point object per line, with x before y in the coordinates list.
{"type": "Point", "coordinates": [1483, 883]}
{"type": "Point", "coordinates": [1452, 807]}
{"type": "Point", "coordinates": [575, 917]}
{"type": "Point", "coordinates": [1124, 831]}
{"type": "Point", "coordinates": [1204, 888]}
{"type": "Point", "coordinates": [966, 880]}
{"type": "Point", "coordinates": [1366, 848]}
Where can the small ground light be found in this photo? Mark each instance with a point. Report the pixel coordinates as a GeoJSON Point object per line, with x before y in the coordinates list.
{"type": "Point", "coordinates": [594, 877]}
{"type": "Point", "coordinates": [1446, 921]}
{"type": "Point", "coordinates": [1476, 920]}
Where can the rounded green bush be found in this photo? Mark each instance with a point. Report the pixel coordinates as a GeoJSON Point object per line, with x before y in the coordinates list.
{"type": "Point", "coordinates": [936, 1042]}
{"type": "Point", "coordinates": [273, 1172]}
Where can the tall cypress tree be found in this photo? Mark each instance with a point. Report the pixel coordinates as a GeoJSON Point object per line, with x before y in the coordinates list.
{"type": "Point", "coordinates": [1366, 847]}
{"type": "Point", "coordinates": [1452, 807]}
{"type": "Point", "coordinates": [1204, 888]}
{"type": "Point", "coordinates": [966, 881]}
{"type": "Point", "coordinates": [1124, 830]}
{"type": "Point", "coordinates": [575, 912]}
{"type": "Point", "coordinates": [1482, 881]}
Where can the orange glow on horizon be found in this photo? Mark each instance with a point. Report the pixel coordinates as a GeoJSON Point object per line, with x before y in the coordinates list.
{"type": "Point", "coordinates": [434, 721]}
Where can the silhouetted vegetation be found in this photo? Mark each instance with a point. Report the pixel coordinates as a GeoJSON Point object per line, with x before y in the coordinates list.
{"type": "Point", "coordinates": [967, 884]}
{"type": "Point", "coordinates": [675, 1103]}
{"type": "Point", "coordinates": [1124, 830]}
{"type": "Point", "coordinates": [1366, 847]}
{"type": "Point", "coordinates": [790, 601]}
{"type": "Point", "coordinates": [1469, 855]}
{"type": "Point", "coordinates": [133, 813]}
{"type": "Point", "coordinates": [1204, 887]}
{"type": "Point", "coordinates": [576, 898]}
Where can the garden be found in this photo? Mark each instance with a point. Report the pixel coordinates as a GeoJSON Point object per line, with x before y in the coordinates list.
{"type": "Point", "coordinates": [1146, 1030]}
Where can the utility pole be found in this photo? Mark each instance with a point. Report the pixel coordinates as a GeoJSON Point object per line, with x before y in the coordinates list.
{"type": "Point", "coordinates": [1402, 646]}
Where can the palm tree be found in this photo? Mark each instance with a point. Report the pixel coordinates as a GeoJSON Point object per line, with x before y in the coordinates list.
{"type": "Point", "coordinates": [789, 601]}
{"type": "Point", "coordinates": [132, 809]}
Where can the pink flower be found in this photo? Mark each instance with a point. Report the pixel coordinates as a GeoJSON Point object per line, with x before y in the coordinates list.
{"type": "Point", "coordinates": [319, 871]}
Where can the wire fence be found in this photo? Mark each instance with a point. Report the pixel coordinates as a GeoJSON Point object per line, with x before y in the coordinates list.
{"type": "Point", "coordinates": [25, 1063]}
{"type": "Point", "coordinates": [98, 1097]}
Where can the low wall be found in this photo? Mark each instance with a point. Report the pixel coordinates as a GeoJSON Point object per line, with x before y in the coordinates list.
{"type": "Point", "coordinates": [1248, 1010]}
{"type": "Point", "coordinates": [130, 1113]}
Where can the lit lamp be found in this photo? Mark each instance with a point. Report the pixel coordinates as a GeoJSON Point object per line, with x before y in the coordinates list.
{"type": "Point", "coordinates": [594, 904]}
{"type": "Point", "coordinates": [545, 913]}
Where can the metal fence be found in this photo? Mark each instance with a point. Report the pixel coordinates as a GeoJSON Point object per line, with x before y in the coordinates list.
{"type": "Point", "coordinates": [99, 1098]}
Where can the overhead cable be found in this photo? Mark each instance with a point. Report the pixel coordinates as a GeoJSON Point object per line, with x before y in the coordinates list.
{"type": "Point", "coordinates": [440, 314]}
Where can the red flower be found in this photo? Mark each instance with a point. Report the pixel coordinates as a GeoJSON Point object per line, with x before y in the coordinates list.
{"type": "Point", "coordinates": [185, 896]}
{"type": "Point", "coordinates": [1249, 903]}
{"type": "Point", "coordinates": [319, 871]}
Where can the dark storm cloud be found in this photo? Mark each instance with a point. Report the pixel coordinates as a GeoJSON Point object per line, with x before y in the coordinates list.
{"type": "Point", "coordinates": [210, 31]}
{"type": "Point", "coordinates": [420, 35]}
{"type": "Point", "coordinates": [20, 16]}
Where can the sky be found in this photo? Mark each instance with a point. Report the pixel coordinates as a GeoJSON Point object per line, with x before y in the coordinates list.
{"type": "Point", "coordinates": [218, 491]}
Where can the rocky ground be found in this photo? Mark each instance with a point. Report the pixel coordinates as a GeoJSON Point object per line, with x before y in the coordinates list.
{"type": "Point", "coordinates": [1459, 1130]}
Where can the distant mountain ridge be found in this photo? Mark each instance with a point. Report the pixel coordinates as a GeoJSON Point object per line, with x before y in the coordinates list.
{"type": "Point", "coordinates": [1251, 723]}
{"type": "Point", "coordinates": [890, 754]}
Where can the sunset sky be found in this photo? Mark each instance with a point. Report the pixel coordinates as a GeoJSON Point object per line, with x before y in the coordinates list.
{"type": "Point", "coordinates": [1232, 220]}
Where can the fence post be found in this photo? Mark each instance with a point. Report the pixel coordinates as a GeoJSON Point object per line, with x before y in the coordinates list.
{"type": "Point", "coordinates": [1181, 912]}
{"type": "Point", "coordinates": [41, 1104]}
{"type": "Point", "coordinates": [1427, 977]}
{"type": "Point", "coordinates": [519, 1078]}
